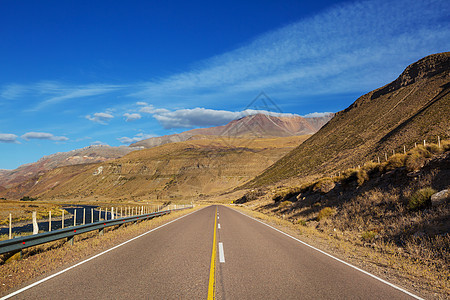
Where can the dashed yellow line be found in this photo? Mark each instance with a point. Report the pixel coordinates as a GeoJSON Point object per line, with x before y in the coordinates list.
{"type": "Point", "coordinates": [212, 269]}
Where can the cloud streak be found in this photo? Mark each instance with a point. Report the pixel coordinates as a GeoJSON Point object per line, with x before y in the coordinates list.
{"type": "Point", "coordinates": [8, 138]}
{"type": "Point", "coordinates": [138, 137]}
{"type": "Point", "coordinates": [101, 117]}
{"type": "Point", "coordinates": [43, 136]}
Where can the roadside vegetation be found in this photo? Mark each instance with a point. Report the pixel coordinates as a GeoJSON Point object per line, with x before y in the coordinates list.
{"type": "Point", "coordinates": [22, 210]}
{"type": "Point", "coordinates": [385, 207]}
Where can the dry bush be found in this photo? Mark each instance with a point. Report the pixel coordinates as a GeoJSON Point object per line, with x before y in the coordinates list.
{"type": "Point", "coordinates": [325, 213]}
{"type": "Point", "coordinates": [286, 194]}
{"type": "Point", "coordinates": [323, 185]}
{"type": "Point", "coordinates": [395, 161]}
{"type": "Point", "coordinates": [420, 199]}
{"type": "Point", "coordinates": [285, 204]}
{"type": "Point", "coordinates": [358, 175]}
{"type": "Point", "coordinates": [369, 236]}
{"type": "Point", "coordinates": [445, 145]}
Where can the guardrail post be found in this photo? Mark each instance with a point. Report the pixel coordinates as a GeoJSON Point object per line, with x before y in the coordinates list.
{"type": "Point", "coordinates": [70, 240]}
{"type": "Point", "coordinates": [49, 221]}
{"type": "Point", "coordinates": [10, 226]}
{"type": "Point", "coordinates": [35, 224]}
{"type": "Point", "coordinates": [100, 232]}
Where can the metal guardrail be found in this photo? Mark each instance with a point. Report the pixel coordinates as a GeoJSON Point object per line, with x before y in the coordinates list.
{"type": "Point", "coordinates": [20, 243]}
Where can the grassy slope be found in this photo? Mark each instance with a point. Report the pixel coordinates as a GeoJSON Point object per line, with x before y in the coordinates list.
{"type": "Point", "coordinates": [414, 107]}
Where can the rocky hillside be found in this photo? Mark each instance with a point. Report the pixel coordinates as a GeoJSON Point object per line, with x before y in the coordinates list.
{"type": "Point", "coordinates": [87, 155]}
{"type": "Point", "coordinates": [413, 108]}
{"type": "Point", "coordinates": [184, 170]}
{"type": "Point", "coordinates": [256, 126]}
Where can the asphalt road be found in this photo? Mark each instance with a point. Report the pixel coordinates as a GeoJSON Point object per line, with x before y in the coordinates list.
{"type": "Point", "coordinates": [252, 261]}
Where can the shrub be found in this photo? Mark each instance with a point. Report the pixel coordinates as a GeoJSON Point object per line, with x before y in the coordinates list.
{"type": "Point", "coordinates": [325, 213]}
{"type": "Point", "coordinates": [395, 161]}
{"type": "Point", "coordinates": [433, 148]}
{"type": "Point", "coordinates": [286, 194]}
{"type": "Point", "coordinates": [323, 185]}
{"type": "Point", "coordinates": [369, 236]}
{"type": "Point", "coordinates": [285, 204]}
{"type": "Point", "coordinates": [301, 222]}
{"type": "Point", "coordinates": [416, 158]}
{"type": "Point", "coordinates": [27, 198]}
{"type": "Point", "coordinates": [420, 199]}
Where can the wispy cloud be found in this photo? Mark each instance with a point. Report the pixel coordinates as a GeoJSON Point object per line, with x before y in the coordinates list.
{"type": "Point", "coordinates": [138, 137]}
{"type": "Point", "coordinates": [43, 136]}
{"type": "Point", "coordinates": [317, 114]}
{"type": "Point", "coordinates": [131, 117]}
{"type": "Point", "coordinates": [8, 138]}
{"type": "Point", "coordinates": [52, 92]}
{"type": "Point", "coordinates": [101, 117]}
{"type": "Point", "coordinates": [345, 49]}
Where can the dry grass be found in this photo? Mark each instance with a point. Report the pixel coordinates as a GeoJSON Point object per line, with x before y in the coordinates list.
{"type": "Point", "coordinates": [367, 251]}
{"type": "Point", "coordinates": [22, 210]}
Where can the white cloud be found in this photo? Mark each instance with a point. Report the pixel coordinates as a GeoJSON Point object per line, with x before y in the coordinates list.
{"type": "Point", "coordinates": [43, 136]}
{"type": "Point", "coordinates": [138, 137]}
{"type": "Point", "coordinates": [131, 117]}
{"type": "Point", "coordinates": [99, 143]}
{"type": "Point", "coordinates": [203, 117]}
{"type": "Point", "coordinates": [317, 114]}
{"type": "Point", "coordinates": [100, 117]}
{"type": "Point", "coordinates": [141, 103]}
{"type": "Point", "coordinates": [150, 109]}
{"type": "Point", "coordinates": [8, 138]}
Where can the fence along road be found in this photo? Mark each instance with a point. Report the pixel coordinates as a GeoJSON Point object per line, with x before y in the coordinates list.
{"type": "Point", "coordinates": [173, 262]}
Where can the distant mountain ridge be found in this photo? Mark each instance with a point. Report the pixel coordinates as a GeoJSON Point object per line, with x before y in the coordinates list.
{"type": "Point", "coordinates": [413, 108]}
{"type": "Point", "coordinates": [258, 126]}
{"type": "Point", "coordinates": [87, 155]}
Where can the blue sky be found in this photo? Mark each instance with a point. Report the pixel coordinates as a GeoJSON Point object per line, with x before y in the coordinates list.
{"type": "Point", "coordinates": [77, 73]}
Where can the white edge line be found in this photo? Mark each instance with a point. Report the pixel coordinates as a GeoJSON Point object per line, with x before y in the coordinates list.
{"type": "Point", "coordinates": [91, 258]}
{"type": "Point", "coordinates": [221, 254]}
{"type": "Point", "coordinates": [335, 258]}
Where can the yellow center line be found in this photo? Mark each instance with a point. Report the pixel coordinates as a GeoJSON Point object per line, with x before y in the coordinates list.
{"type": "Point", "coordinates": [212, 269]}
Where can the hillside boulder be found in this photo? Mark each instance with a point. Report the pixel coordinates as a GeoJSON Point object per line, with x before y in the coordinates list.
{"type": "Point", "coordinates": [440, 197]}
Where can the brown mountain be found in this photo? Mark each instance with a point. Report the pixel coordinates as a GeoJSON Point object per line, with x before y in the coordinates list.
{"type": "Point", "coordinates": [413, 108]}
{"type": "Point", "coordinates": [257, 126]}
{"type": "Point", "coordinates": [87, 155]}
{"type": "Point", "coordinates": [183, 170]}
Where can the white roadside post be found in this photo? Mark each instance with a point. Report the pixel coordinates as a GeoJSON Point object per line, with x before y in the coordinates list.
{"type": "Point", "coordinates": [62, 220]}
{"type": "Point", "coordinates": [35, 225]}
{"type": "Point", "coordinates": [439, 141]}
{"type": "Point", "coordinates": [106, 214]}
{"type": "Point", "coordinates": [84, 216]}
{"type": "Point", "coordinates": [99, 214]}
{"type": "Point", "coordinates": [92, 215]}
{"type": "Point", "coordinates": [10, 226]}
{"type": "Point", "coordinates": [74, 217]}
{"type": "Point", "coordinates": [112, 213]}
{"type": "Point", "coordinates": [50, 221]}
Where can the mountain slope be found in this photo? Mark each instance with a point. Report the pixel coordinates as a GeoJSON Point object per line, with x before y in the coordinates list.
{"type": "Point", "coordinates": [184, 170]}
{"type": "Point", "coordinates": [256, 126]}
{"type": "Point", "coordinates": [87, 155]}
{"type": "Point", "coordinates": [414, 107]}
